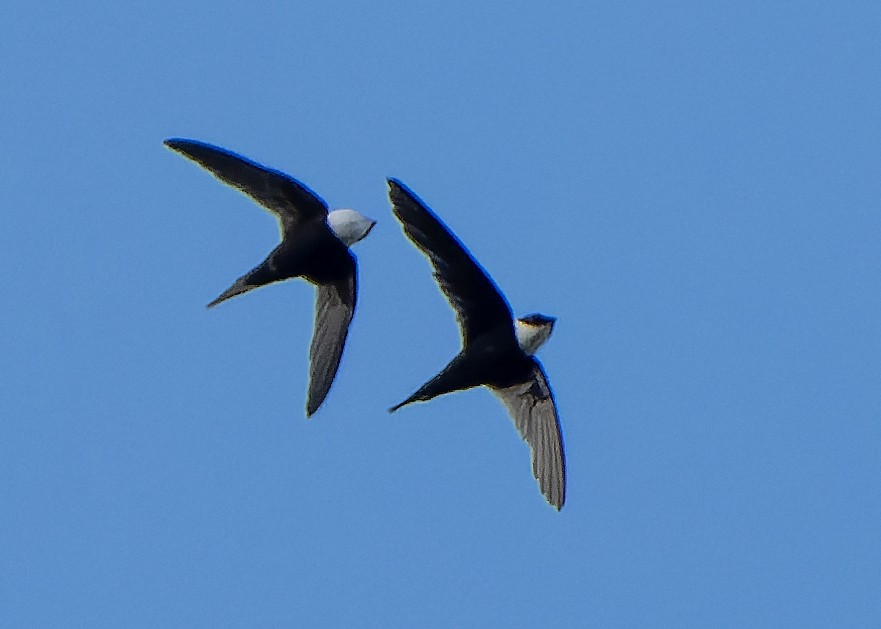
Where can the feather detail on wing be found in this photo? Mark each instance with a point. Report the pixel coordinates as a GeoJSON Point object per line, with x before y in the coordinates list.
{"type": "Point", "coordinates": [334, 308]}
{"type": "Point", "coordinates": [291, 201]}
{"type": "Point", "coordinates": [531, 405]}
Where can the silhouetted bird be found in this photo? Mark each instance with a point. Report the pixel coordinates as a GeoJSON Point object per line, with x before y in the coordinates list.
{"type": "Point", "coordinates": [314, 246]}
{"type": "Point", "coordinates": [496, 349]}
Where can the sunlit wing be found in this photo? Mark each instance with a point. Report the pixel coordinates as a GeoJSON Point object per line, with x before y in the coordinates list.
{"type": "Point", "coordinates": [334, 308]}
{"type": "Point", "coordinates": [532, 408]}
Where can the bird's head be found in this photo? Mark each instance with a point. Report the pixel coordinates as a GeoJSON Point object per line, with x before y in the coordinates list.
{"type": "Point", "coordinates": [532, 331]}
{"type": "Point", "coordinates": [349, 226]}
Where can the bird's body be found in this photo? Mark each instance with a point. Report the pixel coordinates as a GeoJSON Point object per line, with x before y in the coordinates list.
{"type": "Point", "coordinates": [493, 359]}
{"type": "Point", "coordinates": [315, 246]}
{"type": "Point", "coordinates": [496, 349]}
{"type": "Point", "coordinates": [310, 250]}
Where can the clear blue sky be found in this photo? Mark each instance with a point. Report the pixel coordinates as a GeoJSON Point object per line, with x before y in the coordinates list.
{"type": "Point", "coordinates": [693, 189]}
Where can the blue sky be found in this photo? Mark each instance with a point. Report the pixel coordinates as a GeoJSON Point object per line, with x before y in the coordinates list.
{"type": "Point", "coordinates": [693, 190]}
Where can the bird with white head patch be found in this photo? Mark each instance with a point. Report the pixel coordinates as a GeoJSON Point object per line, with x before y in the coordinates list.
{"type": "Point", "coordinates": [315, 246]}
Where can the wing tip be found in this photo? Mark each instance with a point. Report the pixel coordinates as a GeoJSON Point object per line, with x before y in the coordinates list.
{"type": "Point", "coordinates": [399, 192]}
{"type": "Point", "coordinates": [555, 496]}
{"type": "Point", "coordinates": [177, 144]}
{"type": "Point", "coordinates": [313, 403]}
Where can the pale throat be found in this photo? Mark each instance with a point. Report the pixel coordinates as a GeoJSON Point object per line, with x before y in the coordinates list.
{"type": "Point", "coordinates": [530, 337]}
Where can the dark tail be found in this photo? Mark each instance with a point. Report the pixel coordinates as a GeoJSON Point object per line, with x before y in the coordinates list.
{"type": "Point", "coordinates": [392, 409]}
{"type": "Point", "coordinates": [249, 281]}
{"type": "Point", "coordinates": [447, 381]}
{"type": "Point", "coordinates": [236, 289]}
{"type": "Point", "coordinates": [412, 398]}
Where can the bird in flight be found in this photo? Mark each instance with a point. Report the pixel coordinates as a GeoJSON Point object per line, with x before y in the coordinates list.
{"type": "Point", "coordinates": [314, 245]}
{"type": "Point", "coordinates": [497, 350]}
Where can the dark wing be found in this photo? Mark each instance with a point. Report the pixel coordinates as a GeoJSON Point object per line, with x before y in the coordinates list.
{"type": "Point", "coordinates": [282, 195]}
{"type": "Point", "coordinates": [478, 303]}
{"type": "Point", "coordinates": [334, 307]}
{"type": "Point", "coordinates": [531, 405]}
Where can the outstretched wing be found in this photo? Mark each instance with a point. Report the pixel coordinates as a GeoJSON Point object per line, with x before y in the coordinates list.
{"type": "Point", "coordinates": [531, 405]}
{"type": "Point", "coordinates": [279, 193]}
{"type": "Point", "coordinates": [478, 303]}
{"type": "Point", "coordinates": [334, 308]}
